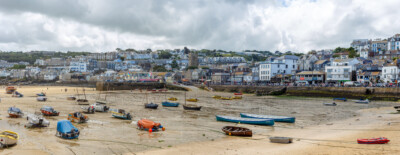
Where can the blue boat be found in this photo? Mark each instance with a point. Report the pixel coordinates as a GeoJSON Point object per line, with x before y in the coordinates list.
{"type": "Point", "coordinates": [66, 130]}
{"type": "Point", "coordinates": [121, 114]}
{"type": "Point", "coordinates": [285, 119]}
{"type": "Point", "coordinates": [246, 120]}
{"type": "Point", "coordinates": [341, 99]}
{"type": "Point", "coordinates": [41, 94]}
{"type": "Point", "coordinates": [169, 104]}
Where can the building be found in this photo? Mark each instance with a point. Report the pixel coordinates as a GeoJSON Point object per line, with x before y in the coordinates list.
{"type": "Point", "coordinates": [283, 65]}
{"type": "Point", "coordinates": [394, 42]}
{"type": "Point", "coordinates": [341, 70]}
{"type": "Point", "coordinates": [220, 78]}
{"type": "Point", "coordinates": [310, 77]}
{"type": "Point", "coordinates": [379, 45]}
{"type": "Point", "coordinates": [193, 59]}
{"type": "Point", "coordinates": [306, 62]}
{"type": "Point", "coordinates": [390, 73]}
{"type": "Point", "coordinates": [361, 44]}
{"type": "Point", "coordinates": [320, 65]}
{"type": "Point", "coordinates": [78, 66]}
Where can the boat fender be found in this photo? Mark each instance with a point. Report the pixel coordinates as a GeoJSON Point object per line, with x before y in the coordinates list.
{"type": "Point", "coordinates": [150, 130]}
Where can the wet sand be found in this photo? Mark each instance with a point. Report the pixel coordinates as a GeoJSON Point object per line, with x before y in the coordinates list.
{"type": "Point", "coordinates": [317, 129]}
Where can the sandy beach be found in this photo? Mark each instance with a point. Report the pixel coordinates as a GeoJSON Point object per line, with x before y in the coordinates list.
{"type": "Point", "coordinates": [318, 129]}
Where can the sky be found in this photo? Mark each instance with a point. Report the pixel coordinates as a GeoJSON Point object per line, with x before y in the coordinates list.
{"type": "Point", "coordinates": [232, 25]}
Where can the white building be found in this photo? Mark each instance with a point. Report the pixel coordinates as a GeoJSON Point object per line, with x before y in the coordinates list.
{"type": "Point", "coordinates": [364, 54]}
{"type": "Point", "coordinates": [78, 66]}
{"type": "Point", "coordinates": [282, 65]}
{"type": "Point", "coordinates": [341, 70]}
{"type": "Point", "coordinates": [390, 73]}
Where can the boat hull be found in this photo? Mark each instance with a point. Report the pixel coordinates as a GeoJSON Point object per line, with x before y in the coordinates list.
{"type": "Point", "coordinates": [269, 122]}
{"type": "Point", "coordinates": [49, 113]}
{"type": "Point", "coordinates": [237, 131]}
{"type": "Point", "coordinates": [275, 118]}
{"type": "Point", "coordinates": [196, 108]}
{"type": "Point", "coordinates": [284, 140]}
{"type": "Point", "coordinates": [8, 138]}
{"type": "Point", "coordinates": [373, 141]}
{"type": "Point", "coordinates": [169, 104]}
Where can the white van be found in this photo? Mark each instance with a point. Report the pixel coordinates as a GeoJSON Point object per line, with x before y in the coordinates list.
{"type": "Point", "coordinates": [348, 84]}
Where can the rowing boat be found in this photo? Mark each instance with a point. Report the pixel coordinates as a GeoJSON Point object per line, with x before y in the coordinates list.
{"type": "Point", "coordinates": [286, 119]}
{"type": "Point", "coordinates": [380, 140]}
{"type": "Point", "coordinates": [284, 140]}
{"type": "Point", "coordinates": [169, 104]}
{"type": "Point", "coordinates": [245, 120]}
{"type": "Point", "coordinates": [237, 131]}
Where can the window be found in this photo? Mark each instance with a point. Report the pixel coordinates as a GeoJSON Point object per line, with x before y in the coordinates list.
{"type": "Point", "coordinates": [286, 66]}
{"type": "Point", "coordinates": [329, 70]}
{"type": "Point", "coordinates": [346, 70]}
{"type": "Point", "coordinates": [294, 67]}
{"type": "Point", "coordinates": [278, 65]}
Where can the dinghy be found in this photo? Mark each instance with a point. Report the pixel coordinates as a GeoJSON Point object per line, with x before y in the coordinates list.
{"type": "Point", "coordinates": [191, 107]}
{"type": "Point", "coordinates": [17, 94]}
{"type": "Point", "coordinates": [245, 120]}
{"type": "Point", "coordinates": [275, 118]}
{"type": "Point", "coordinates": [362, 101]}
{"type": "Point", "coordinates": [237, 131]}
{"type": "Point", "coordinates": [340, 99]}
{"type": "Point", "coordinates": [36, 121]}
{"type": "Point", "coordinates": [41, 98]}
{"type": "Point", "coordinates": [236, 97]}
{"type": "Point", "coordinates": [8, 138]}
{"type": "Point", "coordinates": [216, 97]}
{"type": "Point", "coordinates": [172, 99]}
{"type": "Point", "coordinates": [237, 93]}
{"type": "Point", "coordinates": [148, 125]}
{"type": "Point", "coordinates": [66, 130]}
{"type": "Point", "coordinates": [49, 111]}
{"type": "Point", "coordinates": [15, 112]}
{"type": "Point", "coordinates": [72, 98]}
{"type": "Point", "coordinates": [121, 114]}
{"type": "Point", "coordinates": [380, 140]}
{"type": "Point", "coordinates": [169, 104]}
{"type": "Point", "coordinates": [151, 106]}
{"type": "Point", "coordinates": [329, 104]}
{"type": "Point", "coordinates": [10, 89]}
{"type": "Point", "coordinates": [77, 117]}
{"type": "Point", "coordinates": [192, 100]}
{"type": "Point", "coordinates": [284, 140]}
{"type": "Point", "coordinates": [226, 98]}
{"type": "Point", "coordinates": [41, 94]}
{"type": "Point", "coordinates": [100, 106]}
{"type": "Point", "coordinates": [88, 109]}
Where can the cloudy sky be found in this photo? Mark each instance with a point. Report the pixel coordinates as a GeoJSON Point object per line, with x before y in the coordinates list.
{"type": "Point", "coordinates": [104, 25]}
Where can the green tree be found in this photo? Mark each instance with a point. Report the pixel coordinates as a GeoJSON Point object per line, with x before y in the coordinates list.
{"type": "Point", "coordinates": [164, 55]}
{"type": "Point", "coordinates": [159, 69]}
{"type": "Point", "coordinates": [352, 52]}
{"type": "Point", "coordinates": [18, 67]}
{"type": "Point", "coordinates": [174, 64]}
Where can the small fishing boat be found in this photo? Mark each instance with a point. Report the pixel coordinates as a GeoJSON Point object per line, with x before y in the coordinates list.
{"type": "Point", "coordinates": [88, 109]}
{"type": "Point", "coordinates": [237, 93]}
{"type": "Point", "coordinates": [192, 100]}
{"type": "Point", "coordinates": [286, 119]}
{"type": "Point", "coordinates": [173, 99]}
{"type": "Point", "coordinates": [17, 94]}
{"type": "Point", "coordinates": [100, 107]}
{"type": "Point", "coordinates": [226, 98]}
{"type": "Point", "coordinates": [10, 89]}
{"type": "Point", "coordinates": [380, 140]}
{"type": "Point", "coordinates": [82, 101]}
{"type": "Point", "coordinates": [150, 106]}
{"type": "Point", "coordinates": [72, 98]}
{"type": "Point", "coordinates": [36, 121]}
{"type": "Point", "coordinates": [362, 101]}
{"type": "Point", "coordinates": [148, 125]}
{"type": "Point", "coordinates": [169, 104]}
{"type": "Point", "coordinates": [121, 114]}
{"type": "Point", "coordinates": [340, 99]}
{"type": "Point", "coordinates": [8, 138]}
{"type": "Point", "coordinates": [41, 94]}
{"type": "Point", "coordinates": [284, 140]}
{"type": "Point", "coordinates": [66, 130]}
{"type": "Point", "coordinates": [191, 107]}
{"type": "Point", "coordinates": [245, 120]}
{"type": "Point", "coordinates": [41, 98]}
{"type": "Point", "coordinates": [77, 117]}
{"type": "Point", "coordinates": [49, 111]}
{"type": "Point", "coordinates": [237, 131]}
{"type": "Point", "coordinates": [236, 97]}
{"type": "Point", "coordinates": [329, 104]}
{"type": "Point", "coordinates": [216, 97]}
{"type": "Point", "coordinates": [15, 112]}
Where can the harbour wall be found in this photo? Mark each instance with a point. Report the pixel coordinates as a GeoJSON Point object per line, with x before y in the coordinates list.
{"type": "Point", "coordinates": [104, 86]}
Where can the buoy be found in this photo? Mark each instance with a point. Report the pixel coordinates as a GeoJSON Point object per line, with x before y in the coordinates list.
{"type": "Point", "coordinates": [163, 129]}
{"type": "Point", "coordinates": [230, 134]}
{"type": "Point", "coordinates": [150, 130]}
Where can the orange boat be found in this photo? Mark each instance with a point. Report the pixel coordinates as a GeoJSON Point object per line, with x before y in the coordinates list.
{"type": "Point", "coordinates": [148, 125]}
{"type": "Point", "coordinates": [10, 89]}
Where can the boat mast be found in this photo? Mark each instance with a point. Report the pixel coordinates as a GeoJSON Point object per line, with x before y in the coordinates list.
{"type": "Point", "coordinates": [84, 93]}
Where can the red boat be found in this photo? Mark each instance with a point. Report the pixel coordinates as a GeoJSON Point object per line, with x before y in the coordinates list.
{"type": "Point", "coordinates": [145, 124]}
{"type": "Point", "coordinates": [380, 140]}
{"type": "Point", "coordinates": [237, 93]}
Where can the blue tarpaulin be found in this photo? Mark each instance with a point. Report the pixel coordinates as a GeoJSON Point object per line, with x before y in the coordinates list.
{"type": "Point", "coordinates": [14, 109]}
{"type": "Point", "coordinates": [65, 126]}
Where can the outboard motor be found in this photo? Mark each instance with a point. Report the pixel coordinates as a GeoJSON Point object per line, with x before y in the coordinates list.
{"type": "Point", "coordinates": [40, 121]}
{"type": "Point", "coordinates": [128, 116]}
{"type": "Point", "coordinates": [106, 108]}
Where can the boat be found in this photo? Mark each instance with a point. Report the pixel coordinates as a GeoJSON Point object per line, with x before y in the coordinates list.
{"type": "Point", "coordinates": [41, 98]}
{"type": "Point", "coordinates": [10, 89]}
{"type": "Point", "coordinates": [191, 107]}
{"type": "Point", "coordinates": [169, 104]}
{"type": "Point", "coordinates": [82, 101]}
{"type": "Point", "coordinates": [236, 97]}
{"type": "Point", "coordinates": [286, 119]}
{"type": "Point", "coordinates": [216, 97]}
{"type": "Point", "coordinates": [237, 131]}
{"type": "Point", "coordinates": [329, 104]}
{"type": "Point", "coordinates": [284, 140]}
{"type": "Point", "coordinates": [41, 94]}
{"type": "Point", "coordinates": [17, 94]}
{"type": "Point", "coordinates": [100, 106]}
{"type": "Point", "coordinates": [397, 108]}
{"type": "Point", "coordinates": [15, 112]}
{"type": "Point", "coordinates": [237, 93]}
{"type": "Point", "coordinates": [380, 140]}
{"type": "Point", "coordinates": [88, 109]}
{"type": "Point", "coordinates": [36, 121]}
{"type": "Point", "coordinates": [151, 106]}
{"type": "Point", "coordinates": [66, 130]}
{"type": "Point", "coordinates": [226, 98]}
{"type": "Point", "coordinates": [173, 99]}
{"type": "Point", "coordinates": [77, 117]}
{"type": "Point", "coordinates": [192, 100]}
{"type": "Point", "coordinates": [49, 111]}
{"type": "Point", "coordinates": [148, 125]}
{"type": "Point", "coordinates": [340, 99]}
{"type": "Point", "coordinates": [362, 101]}
{"type": "Point", "coordinates": [121, 114]}
{"type": "Point", "coordinates": [245, 120]}
{"type": "Point", "coordinates": [8, 138]}
{"type": "Point", "coordinates": [71, 98]}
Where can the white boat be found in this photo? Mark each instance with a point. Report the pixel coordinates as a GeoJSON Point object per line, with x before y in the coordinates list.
{"type": "Point", "coordinates": [281, 140]}
{"type": "Point", "coordinates": [41, 98]}
{"type": "Point", "coordinates": [36, 121]}
{"type": "Point", "coordinates": [329, 104]}
{"type": "Point", "coordinates": [362, 101]}
{"type": "Point", "coordinates": [100, 106]}
{"type": "Point", "coordinates": [8, 138]}
{"type": "Point", "coordinates": [88, 109]}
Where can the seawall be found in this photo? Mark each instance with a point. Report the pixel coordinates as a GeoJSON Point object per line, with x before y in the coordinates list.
{"type": "Point", "coordinates": [104, 86]}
